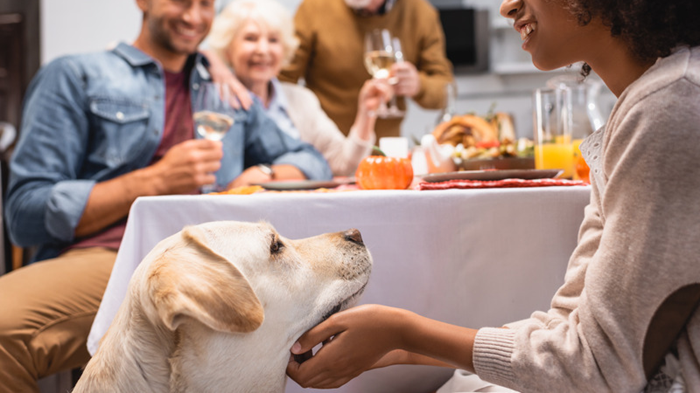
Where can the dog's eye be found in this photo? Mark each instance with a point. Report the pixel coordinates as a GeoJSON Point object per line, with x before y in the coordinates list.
{"type": "Point", "coordinates": [276, 246]}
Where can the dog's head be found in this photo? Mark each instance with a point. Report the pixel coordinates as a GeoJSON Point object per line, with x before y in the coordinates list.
{"type": "Point", "coordinates": [232, 276]}
{"type": "Point", "coordinates": [217, 306]}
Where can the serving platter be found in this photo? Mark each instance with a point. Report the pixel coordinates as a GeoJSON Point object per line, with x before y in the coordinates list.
{"type": "Point", "coordinates": [483, 164]}
{"type": "Point", "coordinates": [525, 174]}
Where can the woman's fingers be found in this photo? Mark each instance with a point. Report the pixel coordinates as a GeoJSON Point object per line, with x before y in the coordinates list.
{"type": "Point", "coordinates": [374, 92]}
{"type": "Point", "coordinates": [315, 336]}
{"type": "Point", "coordinates": [314, 373]}
{"type": "Point", "coordinates": [240, 92]}
{"type": "Point", "coordinates": [385, 90]}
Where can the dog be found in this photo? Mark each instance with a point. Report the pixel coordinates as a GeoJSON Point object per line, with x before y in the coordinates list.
{"type": "Point", "coordinates": [217, 307]}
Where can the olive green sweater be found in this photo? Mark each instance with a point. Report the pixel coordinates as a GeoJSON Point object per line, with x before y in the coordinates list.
{"type": "Point", "coordinates": [638, 245]}
{"type": "Point", "coordinates": [330, 56]}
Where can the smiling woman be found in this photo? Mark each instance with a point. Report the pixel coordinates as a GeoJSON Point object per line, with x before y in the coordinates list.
{"type": "Point", "coordinates": [256, 39]}
{"type": "Point", "coordinates": [627, 316]}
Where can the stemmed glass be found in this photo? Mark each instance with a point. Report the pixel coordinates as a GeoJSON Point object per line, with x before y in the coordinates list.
{"type": "Point", "coordinates": [213, 115]}
{"type": "Point", "coordinates": [380, 55]}
{"type": "Point", "coordinates": [393, 110]}
{"type": "Point", "coordinates": [449, 111]}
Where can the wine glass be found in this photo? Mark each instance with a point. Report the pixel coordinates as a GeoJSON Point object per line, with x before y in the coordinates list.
{"type": "Point", "coordinates": [393, 109]}
{"type": "Point", "coordinates": [379, 57]}
{"type": "Point", "coordinates": [213, 115]}
{"type": "Point", "coordinates": [449, 111]}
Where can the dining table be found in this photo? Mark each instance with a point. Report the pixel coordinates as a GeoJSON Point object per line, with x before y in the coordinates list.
{"type": "Point", "coordinates": [470, 257]}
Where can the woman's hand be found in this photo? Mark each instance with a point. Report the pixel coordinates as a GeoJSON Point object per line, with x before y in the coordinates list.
{"type": "Point", "coordinates": [255, 175]}
{"type": "Point", "coordinates": [252, 175]}
{"type": "Point", "coordinates": [408, 80]}
{"type": "Point", "coordinates": [220, 73]}
{"type": "Point", "coordinates": [373, 93]}
{"type": "Point", "coordinates": [354, 341]}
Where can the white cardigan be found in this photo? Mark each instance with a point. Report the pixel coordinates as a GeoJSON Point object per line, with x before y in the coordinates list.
{"type": "Point", "coordinates": [316, 128]}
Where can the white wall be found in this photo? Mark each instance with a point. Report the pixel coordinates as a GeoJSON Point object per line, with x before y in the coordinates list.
{"type": "Point", "coordinates": [74, 26]}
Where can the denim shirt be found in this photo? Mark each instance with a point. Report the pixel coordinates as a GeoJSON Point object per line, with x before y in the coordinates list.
{"type": "Point", "coordinates": [278, 110]}
{"type": "Point", "coordinates": [93, 117]}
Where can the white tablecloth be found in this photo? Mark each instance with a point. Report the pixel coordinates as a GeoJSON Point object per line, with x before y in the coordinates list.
{"type": "Point", "coordinates": [468, 257]}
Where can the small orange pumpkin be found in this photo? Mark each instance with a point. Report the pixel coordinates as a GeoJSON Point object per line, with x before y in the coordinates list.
{"type": "Point", "coordinates": [384, 173]}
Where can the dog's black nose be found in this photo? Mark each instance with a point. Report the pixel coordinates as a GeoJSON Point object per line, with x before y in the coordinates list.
{"type": "Point", "coordinates": [354, 236]}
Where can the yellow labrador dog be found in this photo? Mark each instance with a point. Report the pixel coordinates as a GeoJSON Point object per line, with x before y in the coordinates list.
{"type": "Point", "coordinates": [217, 307]}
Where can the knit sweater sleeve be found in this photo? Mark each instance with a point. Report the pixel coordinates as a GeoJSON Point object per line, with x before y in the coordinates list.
{"type": "Point", "coordinates": [434, 70]}
{"type": "Point", "coordinates": [647, 249]}
{"type": "Point", "coordinates": [304, 31]}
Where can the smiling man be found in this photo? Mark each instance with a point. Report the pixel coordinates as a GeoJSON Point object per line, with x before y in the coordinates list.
{"type": "Point", "coordinates": [100, 130]}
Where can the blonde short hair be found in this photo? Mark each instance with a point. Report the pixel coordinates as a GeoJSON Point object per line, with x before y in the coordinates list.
{"type": "Point", "coordinates": [270, 13]}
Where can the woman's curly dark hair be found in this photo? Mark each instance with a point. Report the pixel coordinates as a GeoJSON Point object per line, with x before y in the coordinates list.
{"type": "Point", "coordinates": [652, 28]}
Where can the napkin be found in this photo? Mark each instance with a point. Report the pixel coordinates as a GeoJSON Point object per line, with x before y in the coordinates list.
{"type": "Point", "coordinates": [505, 183]}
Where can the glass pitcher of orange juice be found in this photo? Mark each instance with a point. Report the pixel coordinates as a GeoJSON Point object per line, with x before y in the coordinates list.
{"type": "Point", "coordinates": [552, 130]}
{"type": "Point", "coordinates": [586, 116]}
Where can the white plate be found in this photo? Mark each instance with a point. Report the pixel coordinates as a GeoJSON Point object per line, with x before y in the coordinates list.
{"type": "Point", "coordinates": [526, 174]}
{"type": "Point", "coordinates": [289, 185]}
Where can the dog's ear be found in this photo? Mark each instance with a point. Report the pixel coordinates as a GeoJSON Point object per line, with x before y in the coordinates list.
{"type": "Point", "coordinates": [193, 281]}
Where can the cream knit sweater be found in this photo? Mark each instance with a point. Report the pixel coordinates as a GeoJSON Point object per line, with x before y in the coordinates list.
{"type": "Point", "coordinates": [638, 244]}
{"type": "Point", "coordinates": [342, 153]}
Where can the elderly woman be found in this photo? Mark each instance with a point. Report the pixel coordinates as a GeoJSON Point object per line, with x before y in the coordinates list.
{"type": "Point", "coordinates": [256, 39]}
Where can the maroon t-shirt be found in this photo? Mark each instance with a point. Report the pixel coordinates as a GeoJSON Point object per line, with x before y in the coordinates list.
{"type": "Point", "coordinates": [178, 127]}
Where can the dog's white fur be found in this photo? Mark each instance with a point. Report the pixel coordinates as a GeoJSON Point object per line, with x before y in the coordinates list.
{"type": "Point", "coordinates": [214, 308]}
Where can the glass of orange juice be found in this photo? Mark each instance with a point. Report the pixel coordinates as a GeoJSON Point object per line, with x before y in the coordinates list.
{"type": "Point", "coordinates": [580, 167]}
{"type": "Point", "coordinates": [552, 130]}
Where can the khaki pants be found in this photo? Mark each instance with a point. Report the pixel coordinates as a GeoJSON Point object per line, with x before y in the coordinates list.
{"type": "Point", "coordinates": [46, 311]}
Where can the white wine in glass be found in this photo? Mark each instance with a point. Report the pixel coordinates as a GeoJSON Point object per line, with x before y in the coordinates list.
{"type": "Point", "coordinates": [212, 125]}
{"type": "Point", "coordinates": [379, 62]}
{"type": "Point", "coordinates": [213, 115]}
{"type": "Point", "coordinates": [379, 57]}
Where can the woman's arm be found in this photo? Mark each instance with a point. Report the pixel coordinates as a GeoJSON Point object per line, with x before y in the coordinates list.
{"type": "Point", "coordinates": [367, 337]}
{"type": "Point", "coordinates": [372, 94]}
{"type": "Point", "coordinates": [255, 175]}
{"type": "Point", "coordinates": [221, 73]}
{"type": "Point", "coordinates": [266, 143]}
{"type": "Point", "coordinates": [315, 127]}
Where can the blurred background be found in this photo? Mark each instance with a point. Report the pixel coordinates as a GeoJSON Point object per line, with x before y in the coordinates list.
{"type": "Point", "coordinates": [490, 68]}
